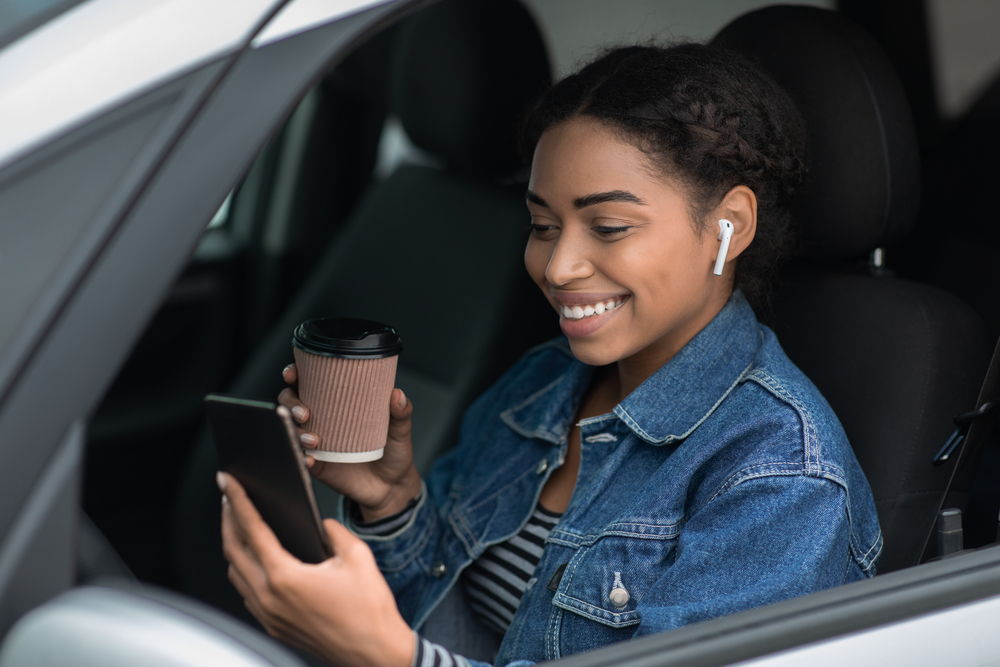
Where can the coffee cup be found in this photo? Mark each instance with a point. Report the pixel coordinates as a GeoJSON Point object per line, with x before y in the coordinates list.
{"type": "Point", "coordinates": [346, 370]}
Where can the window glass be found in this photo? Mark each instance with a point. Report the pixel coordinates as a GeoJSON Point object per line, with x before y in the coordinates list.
{"type": "Point", "coordinates": [574, 30]}
{"type": "Point", "coordinates": [221, 216]}
{"type": "Point", "coordinates": [965, 49]}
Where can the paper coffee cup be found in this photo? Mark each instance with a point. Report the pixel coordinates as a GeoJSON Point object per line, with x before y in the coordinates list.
{"type": "Point", "coordinates": [346, 369]}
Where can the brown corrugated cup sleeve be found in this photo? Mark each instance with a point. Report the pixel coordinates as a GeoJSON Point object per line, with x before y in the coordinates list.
{"type": "Point", "coordinates": [346, 368]}
{"type": "Point", "coordinates": [348, 401]}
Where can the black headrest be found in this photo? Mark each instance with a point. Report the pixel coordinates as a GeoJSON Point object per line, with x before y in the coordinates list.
{"type": "Point", "coordinates": [864, 183]}
{"type": "Point", "coordinates": [464, 72]}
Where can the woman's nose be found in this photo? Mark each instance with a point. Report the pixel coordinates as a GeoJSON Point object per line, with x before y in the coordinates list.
{"type": "Point", "coordinates": [568, 262]}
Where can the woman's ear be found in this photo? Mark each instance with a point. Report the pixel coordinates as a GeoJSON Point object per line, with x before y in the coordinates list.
{"type": "Point", "coordinates": [739, 206]}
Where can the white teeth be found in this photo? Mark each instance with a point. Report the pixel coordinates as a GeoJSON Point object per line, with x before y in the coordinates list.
{"type": "Point", "coordinates": [599, 308]}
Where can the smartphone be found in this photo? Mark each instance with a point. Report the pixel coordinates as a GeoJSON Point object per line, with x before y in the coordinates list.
{"type": "Point", "coordinates": [257, 445]}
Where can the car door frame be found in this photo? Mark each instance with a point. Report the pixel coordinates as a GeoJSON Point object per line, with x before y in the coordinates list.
{"type": "Point", "coordinates": [215, 121]}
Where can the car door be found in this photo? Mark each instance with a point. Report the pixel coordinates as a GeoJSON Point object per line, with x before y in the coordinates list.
{"type": "Point", "coordinates": [938, 613]}
{"type": "Point", "coordinates": [126, 126]}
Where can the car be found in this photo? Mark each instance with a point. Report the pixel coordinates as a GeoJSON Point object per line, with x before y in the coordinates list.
{"type": "Point", "coordinates": [181, 182]}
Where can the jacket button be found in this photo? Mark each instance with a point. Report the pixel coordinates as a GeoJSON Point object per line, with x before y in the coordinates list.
{"type": "Point", "coordinates": [542, 466]}
{"type": "Point", "coordinates": [439, 569]}
{"type": "Point", "coordinates": [618, 597]}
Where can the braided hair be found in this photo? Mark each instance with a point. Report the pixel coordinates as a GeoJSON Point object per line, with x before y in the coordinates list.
{"type": "Point", "coordinates": [708, 117]}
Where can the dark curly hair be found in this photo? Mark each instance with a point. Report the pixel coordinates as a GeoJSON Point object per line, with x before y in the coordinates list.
{"type": "Point", "coordinates": [705, 115]}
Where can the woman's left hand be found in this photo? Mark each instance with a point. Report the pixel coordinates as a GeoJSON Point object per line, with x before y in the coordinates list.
{"type": "Point", "coordinates": [340, 610]}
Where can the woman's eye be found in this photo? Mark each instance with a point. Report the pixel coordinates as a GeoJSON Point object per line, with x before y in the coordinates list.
{"type": "Point", "coordinates": [541, 231]}
{"type": "Point", "coordinates": [610, 231]}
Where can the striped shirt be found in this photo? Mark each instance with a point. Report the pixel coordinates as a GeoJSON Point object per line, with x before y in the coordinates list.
{"type": "Point", "coordinates": [495, 582]}
{"type": "Point", "coordinates": [429, 654]}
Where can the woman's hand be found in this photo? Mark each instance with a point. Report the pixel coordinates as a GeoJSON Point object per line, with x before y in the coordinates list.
{"type": "Point", "coordinates": [381, 488]}
{"type": "Point", "coordinates": [340, 610]}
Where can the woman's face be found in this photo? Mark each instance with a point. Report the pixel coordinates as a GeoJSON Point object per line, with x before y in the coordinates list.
{"type": "Point", "coordinates": [614, 250]}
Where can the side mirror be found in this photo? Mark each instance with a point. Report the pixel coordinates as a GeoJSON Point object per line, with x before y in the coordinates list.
{"type": "Point", "coordinates": [96, 626]}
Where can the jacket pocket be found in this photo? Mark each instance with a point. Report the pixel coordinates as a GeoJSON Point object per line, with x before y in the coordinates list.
{"type": "Point", "coordinates": [606, 581]}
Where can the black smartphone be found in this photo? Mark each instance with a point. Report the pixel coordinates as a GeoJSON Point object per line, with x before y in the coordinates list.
{"type": "Point", "coordinates": [257, 445]}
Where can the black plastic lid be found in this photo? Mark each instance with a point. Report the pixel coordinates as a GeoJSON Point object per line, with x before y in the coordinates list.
{"type": "Point", "coordinates": [347, 338]}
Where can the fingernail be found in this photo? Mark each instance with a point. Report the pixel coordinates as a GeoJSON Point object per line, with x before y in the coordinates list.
{"type": "Point", "coordinates": [308, 439]}
{"type": "Point", "coordinates": [300, 413]}
{"type": "Point", "coordinates": [402, 399]}
{"type": "Point", "coordinates": [224, 500]}
{"type": "Point", "coordinates": [220, 479]}
{"type": "Point", "coordinates": [286, 369]}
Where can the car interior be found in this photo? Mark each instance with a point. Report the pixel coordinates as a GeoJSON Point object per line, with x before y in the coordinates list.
{"type": "Point", "coordinates": [393, 193]}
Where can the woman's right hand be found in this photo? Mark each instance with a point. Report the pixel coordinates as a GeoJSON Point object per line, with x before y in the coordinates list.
{"type": "Point", "coordinates": [380, 488]}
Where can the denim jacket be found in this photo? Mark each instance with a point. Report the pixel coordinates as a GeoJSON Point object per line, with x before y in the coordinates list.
{"type": "Point", "coordinates": [722, 483]}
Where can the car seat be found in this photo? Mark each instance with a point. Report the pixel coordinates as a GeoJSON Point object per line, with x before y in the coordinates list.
{"type": "Point", "coordinates": [435, 252]}
{"type": "Point", "coordinates": [960, 240]}
{"type": "Point", "coordinates": [895, 359]}
{"type": "Point", "coordinates": [958, 251]}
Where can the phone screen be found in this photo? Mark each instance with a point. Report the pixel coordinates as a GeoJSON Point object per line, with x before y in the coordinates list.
{"type": "Point", "coordinates": [257, 445]}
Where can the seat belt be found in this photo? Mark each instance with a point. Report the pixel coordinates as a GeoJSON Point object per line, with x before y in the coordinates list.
{"type": "Point", "coordinates": [965, 444]}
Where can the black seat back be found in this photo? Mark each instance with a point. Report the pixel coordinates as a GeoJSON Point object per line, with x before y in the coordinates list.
{"type": "Point", "coordinates": [895, 359]}
{"type": "Point", "coordinates": [435, 252]}
{"type": "Point", "coordinates": [962, 259]}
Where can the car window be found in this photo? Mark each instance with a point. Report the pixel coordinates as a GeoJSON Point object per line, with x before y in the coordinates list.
{"type": "Point", "coordinates": [221, 217]}
{"type": "Point", "coordinates": [965, 54]}
{"type": "Point", "coordinates": [19, 17]}
{"type": "Point", "coordinates": [576, 30]}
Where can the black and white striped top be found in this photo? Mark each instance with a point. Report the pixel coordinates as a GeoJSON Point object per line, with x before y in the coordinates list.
{"type": "Point", "coordinates": [429, 654]}
{"type": "Point", "coordinates": [496, 581]}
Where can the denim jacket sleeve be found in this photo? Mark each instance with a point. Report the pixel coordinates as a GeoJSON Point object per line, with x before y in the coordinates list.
{"type": "Point", "coordinates": [795, 541]}
{"type": "Point", "coordinates": [401, 555]}
{"type": "Point", "coordinates": [411, 558]}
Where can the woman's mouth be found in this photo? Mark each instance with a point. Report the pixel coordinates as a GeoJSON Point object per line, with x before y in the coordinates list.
{"type": "Point", "coordinates": [591, 309]}
{"type": "Point", "coordinates": [581, 320]}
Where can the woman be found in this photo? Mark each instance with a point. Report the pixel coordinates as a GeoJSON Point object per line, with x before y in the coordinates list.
{"type": "Point", "coordinates": [662, 464]}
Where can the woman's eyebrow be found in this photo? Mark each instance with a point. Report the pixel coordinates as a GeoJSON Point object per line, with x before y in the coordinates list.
{"type": "Point", "coordinates": [535, 199]}
{"type": "Point", "coordinates": [602, 197]}
{"type": "Point", "coordinates": [592, 199]}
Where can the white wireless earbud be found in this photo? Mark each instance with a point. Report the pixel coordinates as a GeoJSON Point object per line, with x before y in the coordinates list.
{"type": "Point", "coordinates": [725, 234]}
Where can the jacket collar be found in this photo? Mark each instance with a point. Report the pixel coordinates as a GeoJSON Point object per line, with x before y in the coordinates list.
{"type": "Point", "coordinates": [672, 402]}
{"type": "Point", "coordinates": [549, 412]}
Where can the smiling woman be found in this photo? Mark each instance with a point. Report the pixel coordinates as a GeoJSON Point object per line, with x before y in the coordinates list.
{"type": "Point", "coordinates": [662, 464]}
{"type": "Point", "coordinates": [629, 243]}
